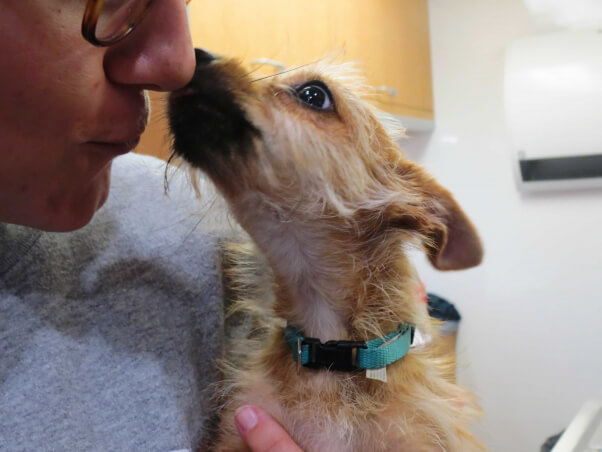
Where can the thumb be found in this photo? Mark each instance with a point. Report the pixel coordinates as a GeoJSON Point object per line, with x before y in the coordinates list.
{"type": "Point", "coordinates": [261, 432]}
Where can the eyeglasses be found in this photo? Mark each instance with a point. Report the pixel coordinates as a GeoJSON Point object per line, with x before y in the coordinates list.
{"type": "Point", "coordinates": [107, 22]}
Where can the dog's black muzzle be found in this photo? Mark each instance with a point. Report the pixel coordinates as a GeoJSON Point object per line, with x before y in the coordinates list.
{"type": "Point", "coordinates": [208, 126]}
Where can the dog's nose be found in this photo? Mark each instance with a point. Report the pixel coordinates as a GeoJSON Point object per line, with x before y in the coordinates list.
{"type": "Point", "coordinates": [203, 57]}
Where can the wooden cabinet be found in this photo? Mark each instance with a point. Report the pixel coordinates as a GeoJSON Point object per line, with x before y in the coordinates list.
{"type": "Point", "coordinates": [389, 39]}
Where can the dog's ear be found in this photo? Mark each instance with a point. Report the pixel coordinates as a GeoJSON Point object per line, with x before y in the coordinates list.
{"type": "Point", "coordinates": [450, 240]}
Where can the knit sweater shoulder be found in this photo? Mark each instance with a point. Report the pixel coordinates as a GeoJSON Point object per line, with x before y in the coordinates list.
{"type": "Point", "coordinates": [108, 335]}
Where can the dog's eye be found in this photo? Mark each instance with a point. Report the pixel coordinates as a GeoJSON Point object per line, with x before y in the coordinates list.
{"type": "Point", "coordinates": [316, 95]}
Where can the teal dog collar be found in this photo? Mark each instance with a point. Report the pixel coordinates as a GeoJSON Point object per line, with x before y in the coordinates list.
{"type": "Point", "coordinates": [349, 355]}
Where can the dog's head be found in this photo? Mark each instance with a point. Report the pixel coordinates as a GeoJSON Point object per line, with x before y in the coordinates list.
{"type": "Point", "coordinates": [306, 146]}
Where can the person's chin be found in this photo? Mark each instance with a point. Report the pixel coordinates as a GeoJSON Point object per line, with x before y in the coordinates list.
{"type": "Point", "coordinates": [76, 212]}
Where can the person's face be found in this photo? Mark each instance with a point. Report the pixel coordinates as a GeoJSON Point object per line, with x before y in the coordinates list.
{"type": "Point", "coordinates": [68, 108]}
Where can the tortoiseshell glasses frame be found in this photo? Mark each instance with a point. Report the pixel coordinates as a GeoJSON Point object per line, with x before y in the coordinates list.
{"type": "Point", "coordinates": [129, 14]}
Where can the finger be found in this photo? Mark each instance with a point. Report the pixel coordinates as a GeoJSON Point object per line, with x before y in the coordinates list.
{"type": "Point", "coordinates": [261, 432]}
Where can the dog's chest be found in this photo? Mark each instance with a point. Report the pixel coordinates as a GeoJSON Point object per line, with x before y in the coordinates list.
{"type": "Point", "coordinates": [346, 435]}
{"type": "Point", "coordinates": [322, 419]}
{"type": "Point", "coordinates": [312, 436]}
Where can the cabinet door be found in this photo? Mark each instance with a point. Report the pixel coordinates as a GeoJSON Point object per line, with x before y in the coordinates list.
{"type": "Point", "coordinates": [388, 38]}
{"type": "Point", "coordinates": [244, 29]}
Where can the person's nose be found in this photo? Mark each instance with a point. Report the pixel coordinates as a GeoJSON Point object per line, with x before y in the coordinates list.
{"type": "Point", "coordinates": [158, 55]}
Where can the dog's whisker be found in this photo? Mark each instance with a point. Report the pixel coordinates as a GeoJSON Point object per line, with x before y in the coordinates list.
{"type": "Point", "coordinates": [252, 71]}
{"type": "Point", "coordinates": [201, 219]}
{"type": "Point", "coordinates": [286, 71]}
{"type": "Point", "coordinates": [168, 166]}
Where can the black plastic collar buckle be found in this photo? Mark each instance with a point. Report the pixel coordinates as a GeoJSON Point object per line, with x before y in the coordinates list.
{"type": "Point", "coordinates": [333, 355]}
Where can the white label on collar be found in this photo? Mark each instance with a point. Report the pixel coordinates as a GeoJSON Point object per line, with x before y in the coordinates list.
{"type": "Point", "coordinates": [377, 374]}
{"type": "Point", "coordinates": [420, 339]}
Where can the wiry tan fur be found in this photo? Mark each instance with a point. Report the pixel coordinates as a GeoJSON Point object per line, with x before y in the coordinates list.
{"type": "Point", "coordinates": [332, 204]}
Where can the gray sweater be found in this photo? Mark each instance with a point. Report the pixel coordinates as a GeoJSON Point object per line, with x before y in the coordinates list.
{"type": "Point", "coordinates": [108, 334]}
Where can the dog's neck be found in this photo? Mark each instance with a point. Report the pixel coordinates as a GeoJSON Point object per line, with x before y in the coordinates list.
{"type": "Point", "coordinates": [332, 286]}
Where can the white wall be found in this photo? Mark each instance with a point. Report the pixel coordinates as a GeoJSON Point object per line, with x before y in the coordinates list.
{"type": "Point", "coordinates": [530, 342]}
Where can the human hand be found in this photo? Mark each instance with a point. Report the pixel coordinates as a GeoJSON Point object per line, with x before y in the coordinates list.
{"type": "Point", "coordinates": [261, 432]}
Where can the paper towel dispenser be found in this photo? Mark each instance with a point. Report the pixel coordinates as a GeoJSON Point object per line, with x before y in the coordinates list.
{"type": "Point", "coordinates": [553, 108]}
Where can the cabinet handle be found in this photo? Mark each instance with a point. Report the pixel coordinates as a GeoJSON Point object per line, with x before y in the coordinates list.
{"type": "Point", "coordinates": [276, 64]}
{"type": "Point", "coordinates": [385, 89]}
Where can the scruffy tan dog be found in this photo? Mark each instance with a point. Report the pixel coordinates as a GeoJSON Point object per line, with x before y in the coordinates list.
{"type": "Point", "coordinates": [311, 173]}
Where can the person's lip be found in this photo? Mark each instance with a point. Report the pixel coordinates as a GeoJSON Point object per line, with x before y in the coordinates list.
{"type": "Point", "coordinates": [117, 147]}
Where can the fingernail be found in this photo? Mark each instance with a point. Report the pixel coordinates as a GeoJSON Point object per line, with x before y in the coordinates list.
{"type": "Point", "coordinates": [245, 418]}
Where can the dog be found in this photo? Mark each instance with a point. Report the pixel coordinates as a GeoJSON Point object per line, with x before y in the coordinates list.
{"type": "Point", "coordinates": [313, 173]}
